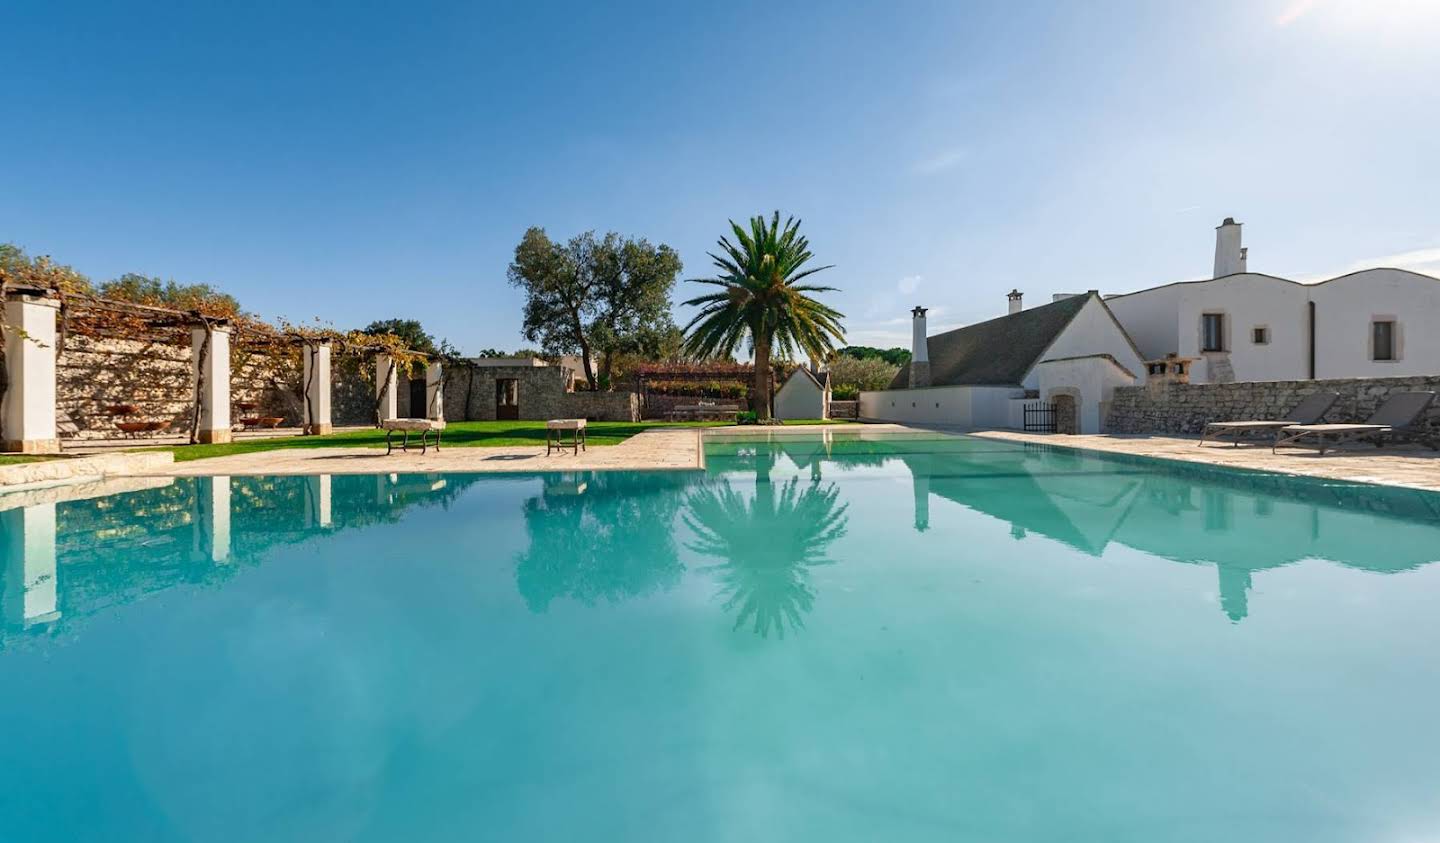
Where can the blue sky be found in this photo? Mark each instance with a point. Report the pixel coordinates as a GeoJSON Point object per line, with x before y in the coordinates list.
{"type": "Point", "coordinates": [353, 161]}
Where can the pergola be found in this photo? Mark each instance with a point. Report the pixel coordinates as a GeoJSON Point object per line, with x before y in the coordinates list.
{"type": "Point", "coordinates": [37, 322]}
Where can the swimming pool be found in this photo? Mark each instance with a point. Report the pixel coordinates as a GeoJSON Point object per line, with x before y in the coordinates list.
{"type": "Point", "coordinates": [828, 637]}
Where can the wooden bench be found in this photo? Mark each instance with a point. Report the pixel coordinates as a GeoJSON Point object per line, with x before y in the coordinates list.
{"type": "Point", "coordinates": [554, 431]}
{"type": "Point", "coordinates": [704, 412]}
{"type": "Point", "coordinates": [407, 426]}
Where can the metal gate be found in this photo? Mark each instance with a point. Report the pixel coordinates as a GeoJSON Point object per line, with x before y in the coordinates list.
{"type": "Point", "coordinates": [1040, 417]}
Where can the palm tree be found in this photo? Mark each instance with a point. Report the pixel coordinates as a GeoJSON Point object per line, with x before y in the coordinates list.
{"type": "Point", "coordinates": [761, 301]}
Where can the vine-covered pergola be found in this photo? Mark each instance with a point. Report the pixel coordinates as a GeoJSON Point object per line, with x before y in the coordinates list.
{"type": "Point", "coordinates": [139, 353]}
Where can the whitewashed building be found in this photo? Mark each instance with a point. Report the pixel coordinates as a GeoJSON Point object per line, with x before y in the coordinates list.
{"type": "Point", "coordinates": [804, 395]}
{"type": "Point", "coordinates": [1236, 326]}
{"type": "Point", "coordinates": [1246, 326]}
{"type": "Point", "coordinates": [1071, 350]}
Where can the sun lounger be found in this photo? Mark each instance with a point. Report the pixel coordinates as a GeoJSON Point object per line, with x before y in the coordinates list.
{"type": "Point", "coordinates": [1401, 417]}
{"type": "Point", "coordinates": [1311, 409]}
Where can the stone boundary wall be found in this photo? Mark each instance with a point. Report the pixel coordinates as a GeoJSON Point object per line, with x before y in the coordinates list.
{"type": "Point", "coordinates": [1185, 408]}
{"type": "Point", "coordinates": [93, 373]}
{"type": "Point", "coordinates": [844, 409]}
{"type": "Point", "coordinates": [470, 395]}
{"type": "Point", "coordinates": [270, 382]}
{"type": "Point", "coordinates": [600, 406]}
{"type": "Point", "coordinates": [657, 406]}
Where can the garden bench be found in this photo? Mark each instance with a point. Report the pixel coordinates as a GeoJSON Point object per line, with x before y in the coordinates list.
{"type": "Point", "coordinates": [555, 430]}
{"type": "Point", "coordinates": [407, 426]}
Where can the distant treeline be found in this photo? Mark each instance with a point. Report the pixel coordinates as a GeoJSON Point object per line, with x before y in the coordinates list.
{"type": "Point", "coordinates": [893, 356]}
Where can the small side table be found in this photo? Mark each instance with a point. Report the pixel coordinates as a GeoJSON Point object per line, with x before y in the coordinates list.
{"type": "Point", "coordinates": [555, 431]}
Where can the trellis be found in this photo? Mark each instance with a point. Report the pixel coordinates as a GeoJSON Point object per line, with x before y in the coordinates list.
{"type": "Point", "coordinates": [108, 323]}
{"type": "Point", "coordinates": [697, 374]}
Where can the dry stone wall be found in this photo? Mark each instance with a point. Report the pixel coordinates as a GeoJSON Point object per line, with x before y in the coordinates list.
{"type": "Point", "coordinates": [470, 395]}
{"type": "Point", "coordinates": [271, 382]}
{"type": "Point", "coordinates": [94, 374]}
{"type": "Point", "coordinates": [1185, 408]}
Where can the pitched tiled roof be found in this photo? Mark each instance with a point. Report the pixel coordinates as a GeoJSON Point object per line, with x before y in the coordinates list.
{"type": "Point", "coordinates": [995, 353]}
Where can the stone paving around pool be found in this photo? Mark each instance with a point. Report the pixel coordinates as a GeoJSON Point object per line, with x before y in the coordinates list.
{"type": "Point", "coordinates": [1411, 466]}
{"type": "Point", "coordinates": [680, 450]}
{"type": "Point", "coordinates": [677, 449]}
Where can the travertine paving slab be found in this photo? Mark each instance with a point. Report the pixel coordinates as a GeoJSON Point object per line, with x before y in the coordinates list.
{"type": "Point", "coordinates": [1411, 466]}
{"type": "Point", "coordinates": [675, 450]}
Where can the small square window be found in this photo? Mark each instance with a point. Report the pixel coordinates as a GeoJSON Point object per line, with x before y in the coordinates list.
{"type": "Point", "coordinates": [1382, 339]}
{"type": "Point", "coordinates": [1260, 335]}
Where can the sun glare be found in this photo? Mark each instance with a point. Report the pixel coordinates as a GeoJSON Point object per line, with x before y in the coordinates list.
{"type": "Point", "coordinates": [1384, 18]}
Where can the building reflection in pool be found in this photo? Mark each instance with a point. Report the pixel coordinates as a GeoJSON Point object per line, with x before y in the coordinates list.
{"type": "Point", "coordinates": [755, 526]}
{"type": "Point", "coordinates": [70, 552]}
{"type": "Point", "coordinates": [1241, 523]}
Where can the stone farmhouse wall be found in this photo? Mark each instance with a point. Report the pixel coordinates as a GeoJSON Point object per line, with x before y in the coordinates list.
{"type": "Point", "coordinates": [1185, 408]}
{"type": "Point", "coordinates": [95, 373]}
{"type": "Point", "coordinates": [470, 395]}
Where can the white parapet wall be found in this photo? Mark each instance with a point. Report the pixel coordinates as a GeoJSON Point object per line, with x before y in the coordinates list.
{"type": "Point", "coordinates": [957, 406]}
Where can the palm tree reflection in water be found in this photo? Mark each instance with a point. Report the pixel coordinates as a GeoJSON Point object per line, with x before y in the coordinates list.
{"type": "Point", "coordinates": [769, 545]}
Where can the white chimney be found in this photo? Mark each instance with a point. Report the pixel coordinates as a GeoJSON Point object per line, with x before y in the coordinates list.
{"type": "Point", "coordinates": [1229, 255]}
{"type": "Point", "coordinates": [919, 350]}
{"type": "Point", "coordinates": [919, 342]}
{"type": "Point", "coordinates": [1016, 297]}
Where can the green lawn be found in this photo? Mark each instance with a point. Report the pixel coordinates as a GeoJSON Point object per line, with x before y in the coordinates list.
{"type": "Point", "coordinates": [470, 434]}
{"type": "Point", "coordinates": [15, 459]}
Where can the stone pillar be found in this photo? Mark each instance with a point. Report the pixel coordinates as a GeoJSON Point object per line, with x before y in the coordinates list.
{"type": "Point", "coordinates": [28, 410]}
{"type": "Point", "coordinates": [319, 514]}
{"type": "Point", "coordinates": [387, 387]}
{"type": "Point", "coordinates": [316, 381]}
{"type": "Point", "coordinates": [27, 546]}
{"type": "Point", "coordinates": [434, 391]}
{"type": "Point", "coordinates": [214, 505]}
{"type": "Point", "coordinates": [212, 375]}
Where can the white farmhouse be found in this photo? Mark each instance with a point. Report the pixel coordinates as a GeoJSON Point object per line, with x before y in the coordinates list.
{"type": "Point", "coordinates": [1245, 326]}
{"type": "Point", "coordinates": [1071, 351]}
{"type": "Point", "coordinates": [1237, 326]}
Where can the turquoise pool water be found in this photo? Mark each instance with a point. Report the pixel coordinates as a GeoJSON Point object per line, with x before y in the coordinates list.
{"type": "Point", "coordinates": [818, 639]}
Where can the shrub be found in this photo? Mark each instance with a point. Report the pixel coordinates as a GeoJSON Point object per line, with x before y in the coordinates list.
{"type": "Point", "coordinates": [850, 376]}
{"type": "Point", "coordinates": [747, 417]}
{"type": "Point", "coordinates": [706, 389]}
